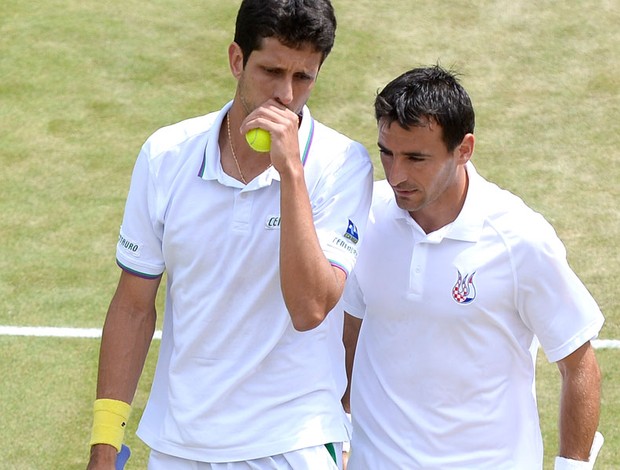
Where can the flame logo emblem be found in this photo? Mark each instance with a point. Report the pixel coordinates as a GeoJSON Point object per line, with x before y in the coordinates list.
{"type": "Point", "coordinates": [464, 291]}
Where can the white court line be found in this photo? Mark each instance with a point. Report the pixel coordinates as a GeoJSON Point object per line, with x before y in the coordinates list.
{"type": "Point", "coordinates": [48, 332]}
{"type": "Point", "coordinates": [51, 332]}
{"type": "Point", "coordinates": [606, 344]}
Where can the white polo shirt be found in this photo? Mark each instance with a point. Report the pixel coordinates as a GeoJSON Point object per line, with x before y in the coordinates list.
{"type": "Point", "coordinates": [444, 368]}
{"type": "Point", "coordinates": [235, 380]}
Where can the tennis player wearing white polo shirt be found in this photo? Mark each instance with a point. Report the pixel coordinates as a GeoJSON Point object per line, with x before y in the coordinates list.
{"type": "Point", "coordinates": [232, 368]}
{"type": "Point", "coordinates": [256, 247]}
{"type": "Point", "coordinates": [456, 282]}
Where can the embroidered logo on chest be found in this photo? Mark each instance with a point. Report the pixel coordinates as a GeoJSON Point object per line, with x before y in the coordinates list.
{"type": "Point", "coordinates": [272, 222]}
{"type": "Point", "coordinates": [464, 291]}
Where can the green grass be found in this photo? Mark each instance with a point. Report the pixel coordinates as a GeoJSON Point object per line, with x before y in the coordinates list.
{"type": "Point", "coordinates": [84, 83]}
{"type": "Point", "coordinates": [548, 390]}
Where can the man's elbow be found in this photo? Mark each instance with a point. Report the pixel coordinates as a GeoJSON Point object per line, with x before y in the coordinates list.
{"type": "Point", "coordinates": [308, 309]}
{"type": "Point", "coordinates": [307, 320]}
{"type": "Point", "coordinates": [310, 313]}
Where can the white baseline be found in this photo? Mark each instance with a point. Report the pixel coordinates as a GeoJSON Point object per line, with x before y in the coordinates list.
{"type": "Point", "coordinates": [60, 332]}
{"type": "Point", "coordinates": [56, 332]}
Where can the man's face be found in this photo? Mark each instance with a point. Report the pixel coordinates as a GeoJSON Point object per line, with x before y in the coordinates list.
{"type": "Point", "coordinates": [276, 72]}
{"type": "Point", "coordinates": [426, 178]}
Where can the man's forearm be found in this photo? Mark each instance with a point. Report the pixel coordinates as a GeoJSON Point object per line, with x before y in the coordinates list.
{"type": "Point", "coordinates": [127, 335]}
{"type": "Point", "coordinates": [311, 286]}
{"type": "Point", "coordinates": [124, 346]}
{"type": "Point", "coordinates": [580, 403]}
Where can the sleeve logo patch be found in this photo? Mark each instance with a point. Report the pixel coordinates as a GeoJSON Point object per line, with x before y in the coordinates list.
{"type": "Point", "coordinates": [351, 233]}
{"type": "Point", "coordinates": [342, 244]}
{"type": "Point", "coordinates": [129, 246]}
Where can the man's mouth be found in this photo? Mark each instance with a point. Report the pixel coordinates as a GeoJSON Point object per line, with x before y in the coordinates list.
{"type": "Point", "coordinates": [404, 191]}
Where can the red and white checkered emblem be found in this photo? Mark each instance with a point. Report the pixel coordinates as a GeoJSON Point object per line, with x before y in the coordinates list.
{"type": "Point", "coordinates": [464, 291]}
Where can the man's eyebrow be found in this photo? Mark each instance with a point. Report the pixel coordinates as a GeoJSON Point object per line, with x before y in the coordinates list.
{"type": "Point", "coordinates": [417, 154]}
{"type": "Point", "coordinates": [383, 148]}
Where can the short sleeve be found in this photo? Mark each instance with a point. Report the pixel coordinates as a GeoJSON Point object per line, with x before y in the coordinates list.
{"type": "Point", "coordinates": [341, 210]}
{"type": "Point", "coordinates": [553, 301]}
{"type": "Point", "coordinates": [139, 248]}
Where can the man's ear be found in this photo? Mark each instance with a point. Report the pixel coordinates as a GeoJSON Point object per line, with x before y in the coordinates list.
{"type": "Point", "coordinates": [465, 149]}
{"type": "Point", "coordinates": [235, 59]}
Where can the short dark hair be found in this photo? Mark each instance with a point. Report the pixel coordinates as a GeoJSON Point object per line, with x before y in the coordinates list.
{"type": "Point", "coordinates": [294, 23]}
{"type": "Point", "coordinates": [427, 93]}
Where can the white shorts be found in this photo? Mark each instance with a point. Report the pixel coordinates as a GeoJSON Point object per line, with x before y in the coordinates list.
{"type": "Point", "coordinates": [310, 458]}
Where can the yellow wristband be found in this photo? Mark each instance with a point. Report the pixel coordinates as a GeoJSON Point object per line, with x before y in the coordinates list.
{"type": "Point", "coordinates": [109, 422]}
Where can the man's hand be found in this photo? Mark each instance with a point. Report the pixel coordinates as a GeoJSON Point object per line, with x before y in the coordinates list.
{"type": "Point", "coordinates": [102, 457]}
{"type": "Point", "coordinates": [282, 125]}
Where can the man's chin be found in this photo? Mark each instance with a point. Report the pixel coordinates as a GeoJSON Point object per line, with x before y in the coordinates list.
{"type": "Point", "coordinates": [406, 204]}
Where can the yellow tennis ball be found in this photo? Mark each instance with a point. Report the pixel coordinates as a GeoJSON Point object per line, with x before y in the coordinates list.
{"type": "Point", "coordinates": [259, 140]}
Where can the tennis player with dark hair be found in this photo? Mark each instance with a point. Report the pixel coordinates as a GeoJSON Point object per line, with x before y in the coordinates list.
{"type": "Point", "coordinates": [457, 283]}
{"type": "Point", "coordinates": [256, 248]}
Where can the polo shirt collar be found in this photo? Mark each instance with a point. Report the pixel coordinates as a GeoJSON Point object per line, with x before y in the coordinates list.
{"type": "Point", "coordinates": [213, 167]}
{"type": "Point", "coordinates": [468, 224]}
